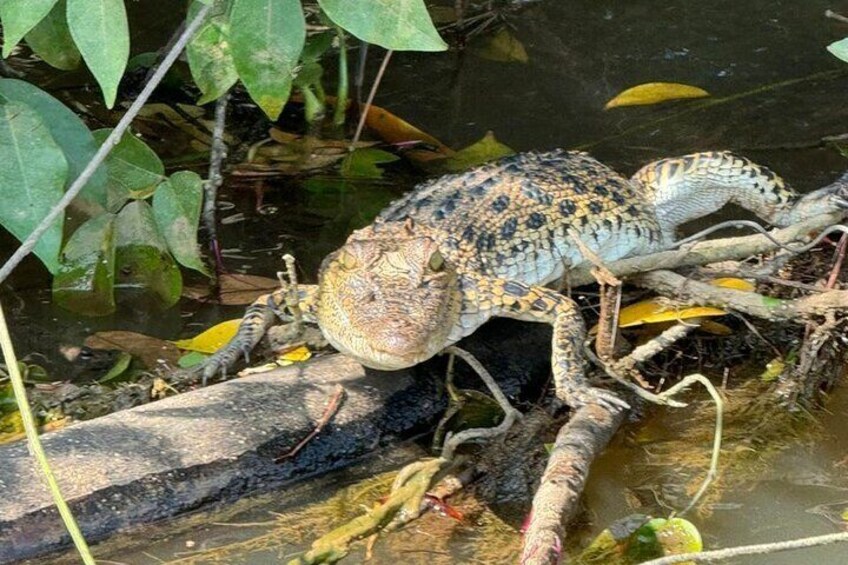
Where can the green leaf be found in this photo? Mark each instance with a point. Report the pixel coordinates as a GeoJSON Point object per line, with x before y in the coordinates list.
{"type": "Point", "coordinates": [839, 49]}
{"type": "Point", "coordinates": [208, 53]}
{"type": "Point", "coordinates": [85, 281]}
{"type": "Point", "coordinates": [176, 208]}
{"type": "Point", "coordinates": [487, 149]}
{"type": "Point", "coordinates": [402, 25]}
{"type": "Point", "coordinates": [51, 40]}
{"type": "Point", "coordinates": [502, 47]}
{"type": "Point", "coordinates": [134, 170]}
{"type": "Point", "coordinates": [33, 171]}
{"type": "Point", "coordinates": [267, 37]}
{"type": "Point", "coordinates": [99, 28]}
{"type": "Point", "coordinates": [142, 261]}
{"type": "Point", "coordinates": [191, 359]}
{"type": "Point", "coordinates": [67, 130]}
{"type": "Point", "coordinates": [20, 16]}
{"type": "Point", "coordinates": [315, 47]}
{"type": "Point", "coordinates": [119, 368]}
{"type": "Point", "coordinates": [363, 163]}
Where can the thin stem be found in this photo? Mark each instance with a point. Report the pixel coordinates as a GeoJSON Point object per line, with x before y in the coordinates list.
{"type": "Point", "coordinates": [100, 156]}
{"type": "Point", "coordinates": [217, 154]}
{"type": "Point", "coordinates": [368, 102]}
{"type": "Point", "coordinates": [342, 92]}
{"type": "Point", "coordinates": [34, 442]}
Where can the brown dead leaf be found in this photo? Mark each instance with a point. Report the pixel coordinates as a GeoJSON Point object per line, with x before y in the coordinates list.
{"type": "Point", "coordinates": [152, 351]}
{"type": "Point", "coordinates": [236, 289]}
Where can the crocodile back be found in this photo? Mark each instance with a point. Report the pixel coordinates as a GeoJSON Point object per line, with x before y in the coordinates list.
{"type": "Point", "coordinates": [511, 218]}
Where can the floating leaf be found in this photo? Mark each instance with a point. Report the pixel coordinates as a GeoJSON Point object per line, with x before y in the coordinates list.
{"type": "Point", "coordinates": [502, 47]}
{"type": "Point", "coordinates": [134, 169]}
{"type": "Point", "coordinates": [236, 289]}
{"type": "Point", "coordinates": [654, 92]}
{"type": "Point", "coordinates": [51, 40]}
{"type": "Point", "coordinates": [33, 171]}
{"type": "Point", "coordinates": [176, 208]}
{"type": "Point", "coordinates": [659, 537]}
{"type": "Point", "coordinates": [152, 351]}
{"type": "Point", "coordinates": [142, 261]}
{"type": "Point", "coordinates": [487, 149]}
{"type": "Point", "coordinates": [99, 28]}
{"type": "Point", "coordinates": [212, 339]}
{"type": "Point", "coordinates": [363, 163]}
{"type": "Point", "coordinates": [401, 25]}
{"type": "Point", "coordinates": [68, 131]}
{"type": "Point", "coordinates": [208, 52]}
{"type": "Point", "coordinates": [19, 17]}
{"type": "Point", "coordinates": [85, 281]}
{"type": "Point", "coordinates": [839, 49]}
{"type": "Point", "coordinates": [267, 37]}
{"type": "Point", "coordinates": [393, 129]}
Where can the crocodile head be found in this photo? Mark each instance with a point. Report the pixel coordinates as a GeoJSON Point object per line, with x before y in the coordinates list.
{"type": "Point", "coordinates": [388, 298]}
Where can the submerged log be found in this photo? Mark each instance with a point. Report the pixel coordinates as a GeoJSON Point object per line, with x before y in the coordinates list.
{"type": "Point", "coordinates": [219, 443]}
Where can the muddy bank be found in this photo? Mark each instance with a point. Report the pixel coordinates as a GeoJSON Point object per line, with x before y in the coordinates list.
{"type": "Point", "coordinates": [219, 443]}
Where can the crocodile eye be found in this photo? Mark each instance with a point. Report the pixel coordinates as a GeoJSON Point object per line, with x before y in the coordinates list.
{"type": "Point", "coordinates": [437, 262]}
{"type": "Point", "coordinates": [347, 261]}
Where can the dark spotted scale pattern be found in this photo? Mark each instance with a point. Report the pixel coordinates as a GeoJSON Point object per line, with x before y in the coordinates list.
{"type": "Point", "coordinates": [514, 214]}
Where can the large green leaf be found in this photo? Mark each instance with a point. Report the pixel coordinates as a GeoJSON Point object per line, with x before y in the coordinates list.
{"type": "Point", "coordinates": [134, 169]}
{"type": "Point", "coordinates": [142, 261]}
{"type": "Point", "coordinates": [402, 25]}
{"type": "Point", "coordinates": [85, 281]}
{"type": "Point", "coordinates": [208, 53]}
{"type": "Point", "coordinates": [176, 208]}
{"type": "Point", "coordinates": [33, 171]}
{"type": "Point", "coordinates": [20, 16]}
{"type": "Point", "coordinates": [267, 37]}
{"type": "Point", "coordinates": [51, 39]}
{"type": "Point", "coordinates": [99, 28]}
{"type": "Point", "coordinates": [67, 130]}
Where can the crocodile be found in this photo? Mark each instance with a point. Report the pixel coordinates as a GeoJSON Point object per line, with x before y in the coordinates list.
{"type": "Point", "coordinates": [463, 248]}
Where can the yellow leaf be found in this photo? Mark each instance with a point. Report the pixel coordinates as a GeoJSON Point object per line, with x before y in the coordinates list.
{"type": "Point", "coordinates": [653, 311]}
{"type": "Point", "coordinates": [654, 92]}
{"type": "Point", "coordinates": [212, 339]}
{"type": "Point", "coordinates": [296, 355]}
{"type": "Point", "coordinates": [737, 284]}
{"type": "Point", "coordinates": [715, 328]}
{"type": "Point", "coordinates": [773, 370]}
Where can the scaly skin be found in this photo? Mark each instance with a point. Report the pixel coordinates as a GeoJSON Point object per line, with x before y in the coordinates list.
{"type": "Point", "coordinates": [461, 249]}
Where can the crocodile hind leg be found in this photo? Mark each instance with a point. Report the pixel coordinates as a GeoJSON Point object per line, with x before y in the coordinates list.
{"type": "Point", "coordinates": [512, 299]}
{"type": "Point", "coordinates": [260, 316]}
{"type": "Point", "coordinates": [688, 187]}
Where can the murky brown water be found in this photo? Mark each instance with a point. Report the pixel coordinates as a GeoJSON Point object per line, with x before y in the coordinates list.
{"type": "Point", "coordinates": [776, 94]}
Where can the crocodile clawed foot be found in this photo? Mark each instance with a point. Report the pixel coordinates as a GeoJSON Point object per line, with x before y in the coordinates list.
{"type": "Point", "coordinates": [220, 361]}
{"type": "Point", "coordinates": [579, 397]}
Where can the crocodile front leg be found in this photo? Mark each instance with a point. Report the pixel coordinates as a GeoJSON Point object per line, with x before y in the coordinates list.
{"type": "Point", "coordinates": [512, 299]}
{"type": "Point", "coordinates": [260, 316]}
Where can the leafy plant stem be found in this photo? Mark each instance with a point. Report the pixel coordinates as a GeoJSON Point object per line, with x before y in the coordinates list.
{"type": "Point", "coordinates": [113, 139]}
{"type": "Point", "coordinates": [34, 443]}
{"type": "Point", "coordinates": [368, 102]}
{"type": "Point", "coordinates": [342, 92]}
{"type": "Point", "coordinates": [312, 105]}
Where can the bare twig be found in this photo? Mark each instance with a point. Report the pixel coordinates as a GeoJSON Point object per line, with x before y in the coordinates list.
{"type": "Point", "coordinates": [112, 140]}
{"type": "Point", "coordinates": [712, 251]}
{"type": "Point", "coordinates": [218, 152]}
{"type": "Point", "coordinates": [330, 411]}
{"type": "Point", "coordinates": [835, 16]}
{"type": "Point", "coordinates": [752, 303]}
{"type": "Point", "coordinates": [758, 549]}
{"type": "Point", "coordinates": [364, 113]}
{"type": "Point", "coordinates": [577, 444]}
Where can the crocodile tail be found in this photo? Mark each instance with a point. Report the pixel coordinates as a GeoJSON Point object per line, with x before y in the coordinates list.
{"type": "Point", "coordinates": [688, 187]}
